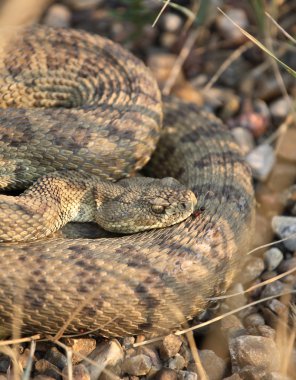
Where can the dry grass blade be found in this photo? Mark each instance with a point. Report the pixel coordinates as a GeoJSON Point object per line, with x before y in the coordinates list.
{"type": "Point", "coordinates": [292, 236]}
{"type": "Point", "coordinates": [201, 372]}
{"type": "Point", "coordinates": [292, 39]}
{"type": "Point", "coordinates": [216, 319]}
{"type": "Point", "coordinates": [180, 61]}
{"type": "Point", "coordinates": [234, 56]}
{"type": "Point", "coordinates": [20, 340]}
{"type": "Point", "coordinates": [254, 287]}
{"type": "Point", "coordinates": [160, 12]}
{"type": "Point", "coordinates": [260, 45]}
{"type": "Point", "coordinates": [27, 373]}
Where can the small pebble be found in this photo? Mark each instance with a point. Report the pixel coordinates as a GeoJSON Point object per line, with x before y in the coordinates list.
{"type": "Point", "coordinates": [138, 365]}
{"type": "Point", "coordinates": [263, 330]}
{"type": "Point", "coordinates": [229, 30]}
{"type": "Point", "coordinates": [213, 365]}
{"type": "Point", "coordinates": [279, 109]}
{"type": "Point", "coordinates": [231, 326]}
{"type": "Point", "coordinates": [272, 289]}
{"type": "Point", "coordinates": [171, 345]}
{"type": "Point", "coordinates": [4, 362]}
{"type": "Point", "coordinates": [161, 65]}
{"type": "Point", "coordinates": [79, 372]}
{"type": "Point", "coordinates": [187, 375]}
{"type": "Point", "coordinates": [261, 160]}
{"type": "Point", "coordinates": [277, 307]}
{"type": "Point", "coordinates": [286, 149]}
{"type": "Point", "coordinates": [152, 353]}
{"type": "Point", "coordinates": [57, 16]}
{"type": "Point", "coordinates": [252, 270]}
{"type": "Point", "coordinates": [272, 258]}
{"type": "Point", "coordinates": [239, 299]}
{"type": "Point", "coordinates": [128, 341]}
{"type": "Point", "coordinates": [285, 226]}
{"type": "Point", "coordinates": [43, 365]}
{"type": "Point", "coordinates": [244, 138]}
{"type": "Point", "coordinates": [253, 320]}
{"type": "Point", "coordinates": [54, 356]}
{"type": "Point", "coordinates": [177, 363]}
{"type": "Point", "coordinates": [256, 351]}
{"type": "Point", "coordinates": [166, 374]}
{"type": "Point", "coordinates": [171, 22]}
{"type": "Point", "coordinates": [287, 265]}
{"type": "Point", "coordinates": [235, 376]}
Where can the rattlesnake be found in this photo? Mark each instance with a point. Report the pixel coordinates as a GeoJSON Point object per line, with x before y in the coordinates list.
{"type": "Point", "coordinates": [148, 282]}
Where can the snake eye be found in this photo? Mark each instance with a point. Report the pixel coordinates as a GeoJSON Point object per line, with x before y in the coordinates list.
{"type": "Point", "coordinates": [158, 209]}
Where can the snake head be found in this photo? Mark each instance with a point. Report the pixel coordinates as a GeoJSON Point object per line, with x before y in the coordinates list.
{"type": "Point", "coordinates": [141, 204]}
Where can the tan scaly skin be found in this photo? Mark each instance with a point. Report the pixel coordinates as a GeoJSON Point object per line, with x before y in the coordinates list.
{"type": "Point", "coordinates": [106, 122]}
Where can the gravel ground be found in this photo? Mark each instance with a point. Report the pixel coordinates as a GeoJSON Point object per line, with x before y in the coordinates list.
{"type": "Point", "coordinates": [257, 342]}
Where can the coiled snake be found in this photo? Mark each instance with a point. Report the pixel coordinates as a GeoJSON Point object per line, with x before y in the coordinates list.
{"type": "Point", "coordinates": [57, 88]}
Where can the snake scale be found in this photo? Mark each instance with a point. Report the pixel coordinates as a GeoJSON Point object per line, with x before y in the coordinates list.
{"type": "Point", "coordinates": [71, 100]}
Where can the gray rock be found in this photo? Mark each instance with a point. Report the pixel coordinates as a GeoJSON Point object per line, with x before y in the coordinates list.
{"type": "Point", "coordinates": [279, 108]}
{"type": "Point", "coordinates": [177, 363]}
{"type": "Point", "coordinates": [272, 289]}
{"type": "Point", "coordinates": [138, 365]}
{"type": "Point", "coordinates": [171, 345]}
{"type": "Point", "coordinates": [272, 258]}
{"type": "Point", "coordinates": [5, 362]}
{"type": "Point", "coordinates": [252, 373]}
{"type": "Point", "coordinates": [57, 16]}
{"type": "Point", "coordinates": [166, 374]}
{"type": "Point", "coordinates": [261, 160]}
{"type": "Point", "coordinates": [187, 375]}
{"type": "Point", "coordinates": [277, 307]}
{"type": "Point", "coordinates": [213, 365]}
{"type": "Point", "coordinates": [152, 353]}
{"type": "Point", "coordinates": [285, 226]}
{"type": "Point", "coordinates": [244, 138]}
{"type": "Point", "coordinates": [79, 372]}
{"type": "Point", "coordinates": [253, 320]}
{"type": "Point", "coordinates": [231, 326]}
{"type": "Point", "coordinates": [107, 354]}
{"type": "Point", "coordinates": [287, 265]}
{"type": "Point", "coordinates": [254, 351]}
{"type": "Point", "coordinates": [54, 356]}
{"type": "Point", "coordinates": [252, 270]}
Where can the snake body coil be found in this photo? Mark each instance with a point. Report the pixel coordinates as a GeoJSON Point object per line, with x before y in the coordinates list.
{"type": "Point", "coordinates": [71, 101]}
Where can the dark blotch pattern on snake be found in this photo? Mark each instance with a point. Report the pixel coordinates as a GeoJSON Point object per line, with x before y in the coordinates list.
{"type": "Point", "coordinates": [73, 101]}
